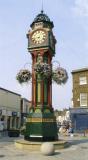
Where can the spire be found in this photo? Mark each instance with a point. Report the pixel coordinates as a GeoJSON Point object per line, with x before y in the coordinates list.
{"type": "Point", "coordinates": [42, 11]}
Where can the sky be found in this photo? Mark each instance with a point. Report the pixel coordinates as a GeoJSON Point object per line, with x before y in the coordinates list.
{"type": "Point", "coordinates": [70, 19]}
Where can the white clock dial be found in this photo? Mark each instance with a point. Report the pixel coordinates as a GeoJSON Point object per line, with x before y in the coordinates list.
{"type": "Point", "coordinates": [39, 36]}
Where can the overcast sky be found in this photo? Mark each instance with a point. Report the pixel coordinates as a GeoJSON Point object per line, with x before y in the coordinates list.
{"type": "Point", "coordinates": [70, 19]}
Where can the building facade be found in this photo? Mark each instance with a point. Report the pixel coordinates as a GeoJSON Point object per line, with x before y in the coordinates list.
{"type": "Point", "coordinates": [80, 87]}
{"type": "Point", "coordinates": [79, 112]}
{"type": "Point", "coordinates": [10, 103]}
{"type": "Point", "coordinates": [25, 106]}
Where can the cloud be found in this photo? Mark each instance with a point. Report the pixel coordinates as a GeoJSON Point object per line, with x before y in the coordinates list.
{"type": "Point", "coordinates": [81, 8]}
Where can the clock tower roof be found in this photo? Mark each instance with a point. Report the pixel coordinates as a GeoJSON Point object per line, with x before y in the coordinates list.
{"type": "Point", "coordinates": [42, 17]}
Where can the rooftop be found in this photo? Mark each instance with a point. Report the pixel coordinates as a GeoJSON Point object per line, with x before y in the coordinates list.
{"type": "Point", "coordinates": [9, 91]}
{"type": "Point", "coordinates": [42, 17]}
{"type": "Point", "coordinates": [80, 70]}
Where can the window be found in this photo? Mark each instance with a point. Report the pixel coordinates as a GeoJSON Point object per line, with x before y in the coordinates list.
{"type": "Point", "coordinates": [83, 99]}
{"type": "Point", "coordinates": [82, 80]}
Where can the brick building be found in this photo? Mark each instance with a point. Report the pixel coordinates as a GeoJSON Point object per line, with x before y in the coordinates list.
{"type": "Point", "coordinates": [79, 112]}
{"type": "Point", "coordinates": [80, 87]}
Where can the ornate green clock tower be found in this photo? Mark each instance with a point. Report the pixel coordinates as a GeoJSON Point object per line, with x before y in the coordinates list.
{"type": "Point", "coordinates": [41, 122]}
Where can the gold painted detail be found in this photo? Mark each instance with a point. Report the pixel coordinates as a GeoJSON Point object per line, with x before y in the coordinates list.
{"type": "Point", "coordinates": [40, 120]}
{"type": "Point", "coordinates": [46, 111]}
{"type": "Point", "coordinates": [39, 92]}
{"type": "Point", "coordinates": [37, 111]}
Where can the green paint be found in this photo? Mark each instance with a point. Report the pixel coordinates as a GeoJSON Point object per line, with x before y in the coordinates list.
{"type": "Point", "coordinates": [46, 111]}
{"type": "Point", "coordinates": [45, 59]}
{"type": "Point", "coordinates": [44, 129]}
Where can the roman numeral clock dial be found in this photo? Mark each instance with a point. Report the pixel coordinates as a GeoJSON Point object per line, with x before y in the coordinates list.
{"type": "Point", "coordinates": [38, 37]}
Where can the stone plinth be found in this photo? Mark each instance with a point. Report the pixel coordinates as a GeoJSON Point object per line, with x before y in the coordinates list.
{"type": "Point", "coordinates": [35, 146]}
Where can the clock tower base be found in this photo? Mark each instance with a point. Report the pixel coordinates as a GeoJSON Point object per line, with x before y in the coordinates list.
{"type": "Point", "coordinates": [41, 126]}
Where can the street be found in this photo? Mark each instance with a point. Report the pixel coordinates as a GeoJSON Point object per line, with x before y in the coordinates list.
{"type": "Point", "coordinates": [78, 150]}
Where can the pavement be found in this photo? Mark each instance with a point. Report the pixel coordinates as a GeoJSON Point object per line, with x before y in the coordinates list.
{"type": "Point", "coordinates": [78, 150]}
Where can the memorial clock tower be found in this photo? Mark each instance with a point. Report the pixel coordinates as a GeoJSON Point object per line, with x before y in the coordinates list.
{"type": "Point", "coordinates": [41, 122]}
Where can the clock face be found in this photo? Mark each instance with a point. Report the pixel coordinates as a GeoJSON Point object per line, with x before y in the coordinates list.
{"type": "Point", "coordinates": [39, 36]}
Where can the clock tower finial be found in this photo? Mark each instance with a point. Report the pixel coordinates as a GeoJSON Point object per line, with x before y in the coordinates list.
{"type": "Point", "coordinates": [42, 11]}
{"type": "Point", "coordinates": [42, 17]}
